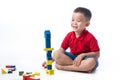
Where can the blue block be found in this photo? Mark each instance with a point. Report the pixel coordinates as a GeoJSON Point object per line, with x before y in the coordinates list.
{"type": "Point", "coordinates": [47, 35]}
{"type": "Point", "coordinates": [49, 67]}
{"type": "Point", "coordinates": [47, 43]}
{"type": "Point", "coordinates": [13, 66]}
{"type": "Point", "coordinates": [49, 53]}
{"type": "Point", "coordinates": [49, 58]}
{"type": "Point", "coordinates": [9, 71]}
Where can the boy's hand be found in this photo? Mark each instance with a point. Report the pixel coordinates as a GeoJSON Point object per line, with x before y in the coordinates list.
{"type": "Point", "coordinates": [44, 64]}
{"type": "Point", "coordinates": [78, 60]}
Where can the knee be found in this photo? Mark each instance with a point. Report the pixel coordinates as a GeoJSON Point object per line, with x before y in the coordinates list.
{"type": "Point", "coordinates": [91, 63]}
{"type": "Point", "coordinates": [57, 55]}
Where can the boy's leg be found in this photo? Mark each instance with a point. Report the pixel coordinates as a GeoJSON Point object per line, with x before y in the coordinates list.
{"type": "Point", "coordinates": [87, 65]}
{"type": "Point", "coordinates": [61, 58]}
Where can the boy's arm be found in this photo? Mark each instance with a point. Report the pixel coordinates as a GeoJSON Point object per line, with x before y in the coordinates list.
{"type": "Point", "coordinates": [95, 54]}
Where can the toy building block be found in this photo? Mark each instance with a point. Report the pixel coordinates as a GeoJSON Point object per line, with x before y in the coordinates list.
{"type": "Point", "coordinates": [10, 66]}
{"type": "Point", "coordinates": [49, 54]}
{"type": "Point", "coordinates": [28, 72]}
{"type": "Point", "coordinates": [49, 62]}
{"type": "Point", "coordinates": [48, 49]}
{"type": "Point", "coordinates": [26, 76]}
{"type": "Point", "coordinates": [32, 75]}
{"type": "Point", "coordinates": [3, 71]}
{"type": "Point", "coordinates": [37, 73]}
{"type": "Point", "coordinates": [50, 72]}
{"type": "Point", "coordinates": [21, 73]}
{"type": "Point", "coordinates": [49, 67]}
{"type": "Point", "coordinates": [10, 71]}
{"type": "Point", "coordinates": [49, 58]}
{"type": "Point", "coordinates": [33, 78]}
{"type": "Point", "coordinates": [47, 35]}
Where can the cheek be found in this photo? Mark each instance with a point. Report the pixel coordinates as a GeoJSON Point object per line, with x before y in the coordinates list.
{"type": "Point", "coordinates": [79, 24]}
{"type": "Point", "coordinates": [71, 24]}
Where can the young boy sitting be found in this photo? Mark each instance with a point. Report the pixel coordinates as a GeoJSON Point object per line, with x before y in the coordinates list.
{"type": "Point", "coordinates": [84, 48]}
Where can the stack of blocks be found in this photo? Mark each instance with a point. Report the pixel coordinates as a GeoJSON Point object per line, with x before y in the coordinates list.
{"type": "Point", "coordinates": [48, 49]}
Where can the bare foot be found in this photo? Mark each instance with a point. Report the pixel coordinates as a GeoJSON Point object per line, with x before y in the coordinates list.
{"type": "Point", "coordinates": [58, 66]}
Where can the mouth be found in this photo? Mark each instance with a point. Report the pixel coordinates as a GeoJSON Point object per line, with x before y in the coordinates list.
{"type": "Point", "coordinates": [74, 27]}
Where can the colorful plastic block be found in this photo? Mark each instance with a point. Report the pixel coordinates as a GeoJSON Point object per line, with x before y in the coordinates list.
{"type": "Point", "coordinates": [33, 78]}
{"type": "Point", "coordinates": [28, 72]}
{"type": "Point", "coordinates": [49, 58]}
{"type": "Point", "coordinates": [10, 66]}
{"type": "Point", "coordinates": [49, 67]}
{"type": "Point", "coordinates": [21, 73]}
{"type": "Point", "coordinates": [47, 35]}
{"type": "Point", "coordinates": [49, 62]}
{"type": "Point", "coordinates": [26, 76]}
{"type": "Point", "coordinates": [3, 71]}
{"type": "Point", "coordinates": [48, 49]}
{"type": "Point", "coordinates": [49, 53]}
{"type": "Point", "coordinates": [32, 75]}
{"type": "Point", "coordinates": [10, 71]}
{"type": "Point", "coordinates": [37, 73]}
{"type": "Point", "coordinates": [50, 72]}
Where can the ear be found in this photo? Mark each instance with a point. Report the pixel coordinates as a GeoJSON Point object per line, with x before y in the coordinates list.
{"type": "Point", "coordinates": [87, 24]}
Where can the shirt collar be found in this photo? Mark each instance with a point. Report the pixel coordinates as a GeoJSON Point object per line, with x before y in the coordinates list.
{"type": "Point", "coordinates": [82, 35]}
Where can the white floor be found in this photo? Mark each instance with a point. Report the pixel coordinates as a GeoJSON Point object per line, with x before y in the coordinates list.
{"type": "Point", "coordinates": [107, 70]}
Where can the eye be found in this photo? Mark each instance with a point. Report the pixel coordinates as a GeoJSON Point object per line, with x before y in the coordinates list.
{"type": "Point", "coordinates": [78, 20]}
{"type": "Point", "coordinates": [72, 19]}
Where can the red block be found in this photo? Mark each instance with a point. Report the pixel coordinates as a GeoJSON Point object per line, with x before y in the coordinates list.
{"type": "Point", "coordinates": [8, 66]}
{"type": "Point", "coordinates": [26, 77]}
{"type": "Point", "coordinates": [33, 78]}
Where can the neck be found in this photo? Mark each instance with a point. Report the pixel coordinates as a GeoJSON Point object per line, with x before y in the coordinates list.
{"type": "Point", "coordinates": [78, 33]}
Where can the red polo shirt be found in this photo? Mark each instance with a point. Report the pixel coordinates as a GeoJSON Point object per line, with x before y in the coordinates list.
{"type": "Point", "coordinates": [86, 42]}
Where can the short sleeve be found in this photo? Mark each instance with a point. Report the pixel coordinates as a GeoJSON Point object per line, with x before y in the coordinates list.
{"type": "Point", "coordinates": [65, 42]}
{"type": "Point", "coordinates": [94, 45]}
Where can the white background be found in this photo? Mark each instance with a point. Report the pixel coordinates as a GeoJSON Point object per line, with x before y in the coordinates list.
{"type": "Point", "coordinates": [22, 26]}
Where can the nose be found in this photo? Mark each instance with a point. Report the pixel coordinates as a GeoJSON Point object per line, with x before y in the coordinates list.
{"type": "Point", "coordinates": [74, 23]}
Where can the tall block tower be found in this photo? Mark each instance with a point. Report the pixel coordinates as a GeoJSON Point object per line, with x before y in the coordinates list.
{"type": "Point", "coordinates": [48, 49]}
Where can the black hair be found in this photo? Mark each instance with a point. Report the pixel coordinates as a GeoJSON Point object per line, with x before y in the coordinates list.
{"type": "Point", "coordinates": [87, 13]}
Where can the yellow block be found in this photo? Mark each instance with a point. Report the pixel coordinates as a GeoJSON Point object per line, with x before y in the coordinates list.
{"type": "Point", "coordinates": [37, 73]}
{"type": "Point", "coordinates": [31, 75]}
{"type": "Point", "coordinates": [49, 62]}
{"type": "Point", "coordinates": [50, 72]}
{"type": "Point", "coordinates": [49, 49]}
{"type": "Point", "coordinates": [3, 71]}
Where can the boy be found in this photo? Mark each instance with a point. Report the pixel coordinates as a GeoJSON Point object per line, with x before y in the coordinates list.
{"type": "Point", "coordinates": [84, 49]}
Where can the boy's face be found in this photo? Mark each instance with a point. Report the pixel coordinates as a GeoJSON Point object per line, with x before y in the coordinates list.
{"type": "Point", "coordinates": [79, 22]}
